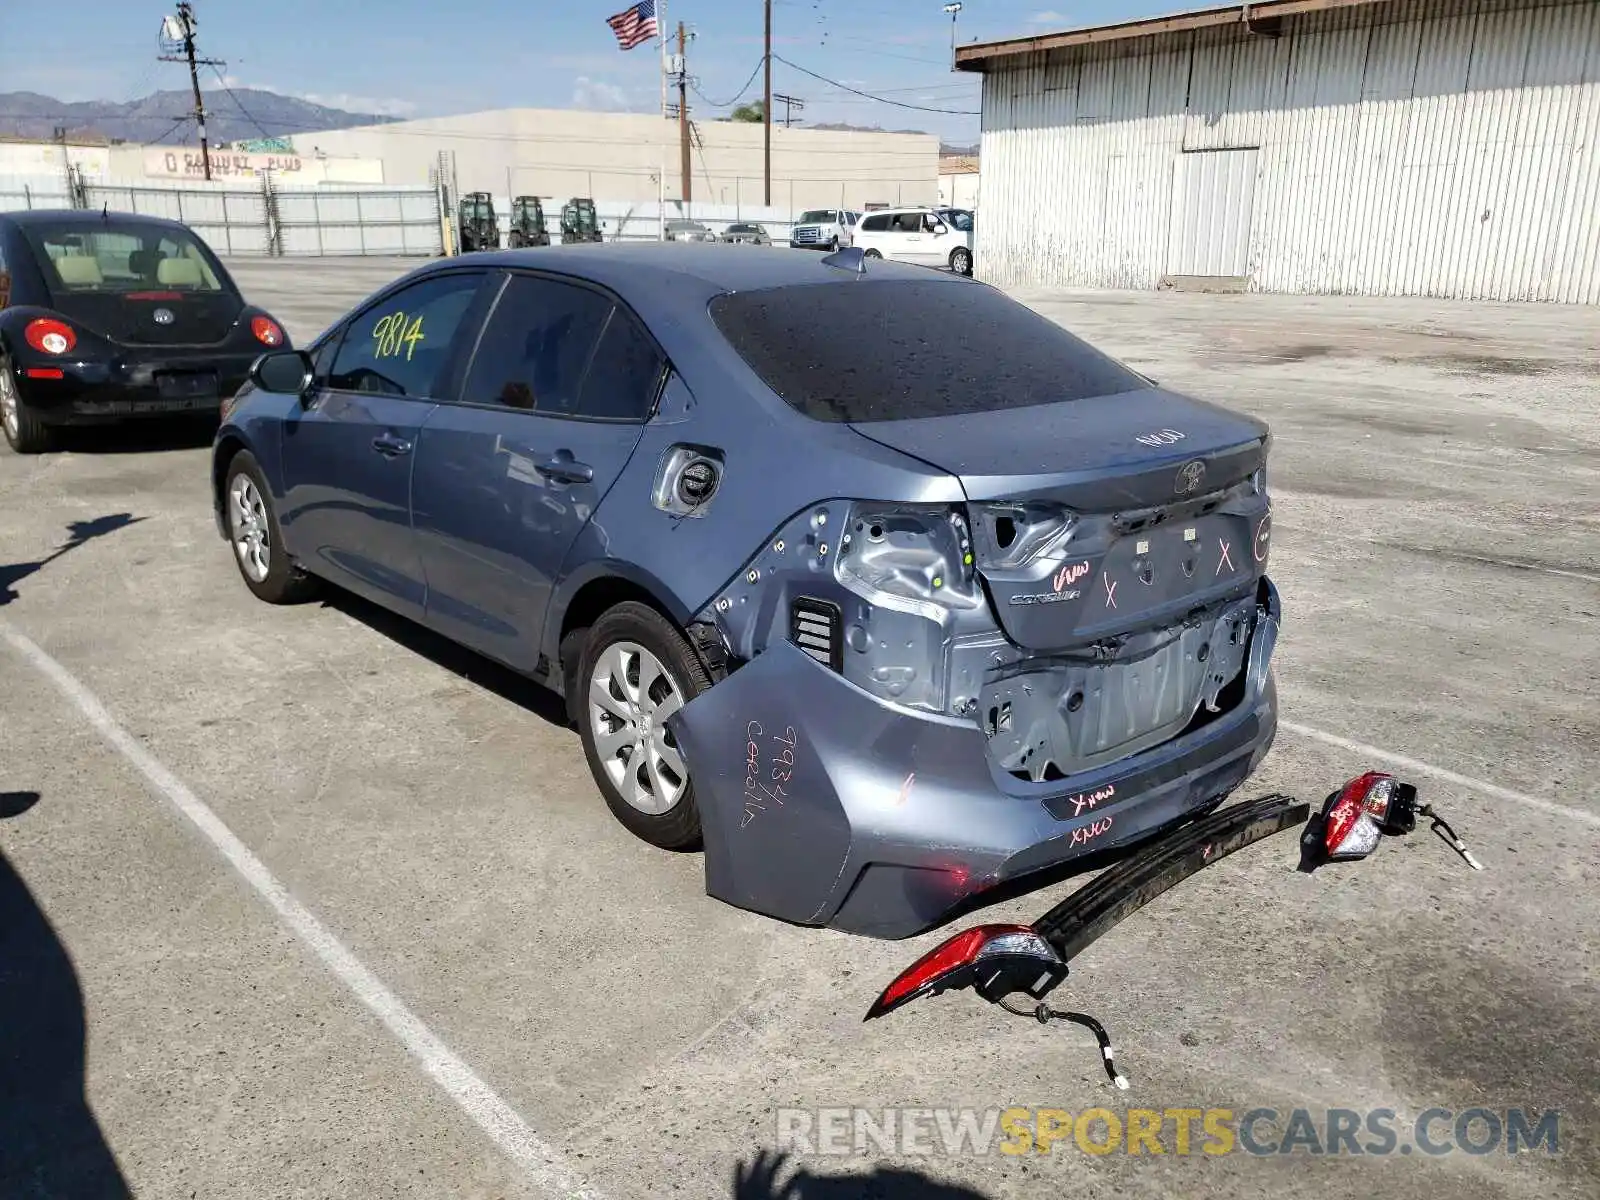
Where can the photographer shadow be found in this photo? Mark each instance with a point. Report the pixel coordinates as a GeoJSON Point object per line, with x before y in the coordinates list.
{"type": "Point", "coordinates": [50, 1142]}
{"type": "Point", "coordinates": [759, 1179]}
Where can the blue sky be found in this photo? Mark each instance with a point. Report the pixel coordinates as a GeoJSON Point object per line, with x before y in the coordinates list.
{"type": "Point", "coordinates": [421, 57]}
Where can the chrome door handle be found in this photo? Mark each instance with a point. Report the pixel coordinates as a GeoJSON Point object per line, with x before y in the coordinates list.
{"type": "Point", "coordinates": [390, 446]}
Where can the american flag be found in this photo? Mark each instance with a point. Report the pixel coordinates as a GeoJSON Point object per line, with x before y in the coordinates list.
{"type": "Point", "coordinates": [636, 25]}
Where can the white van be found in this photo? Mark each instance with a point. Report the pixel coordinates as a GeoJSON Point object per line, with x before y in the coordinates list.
{"type": "Point", "coordinates": [918, 235]}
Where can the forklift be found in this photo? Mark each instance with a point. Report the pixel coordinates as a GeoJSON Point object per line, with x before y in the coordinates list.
{"type": "Point", "coordinates": [527, 227]}
{"type": "Point", "coordinates": [476, 227]}
{"type": "Point", "coordinates": [579, 223]}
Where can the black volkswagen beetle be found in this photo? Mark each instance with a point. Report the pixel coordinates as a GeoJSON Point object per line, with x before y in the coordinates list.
{"type": "Point", "coordinates": [106, 316]}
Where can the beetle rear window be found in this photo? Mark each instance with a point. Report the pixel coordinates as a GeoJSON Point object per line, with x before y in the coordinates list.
{"type": "Point", "coordinates": [888, 350]}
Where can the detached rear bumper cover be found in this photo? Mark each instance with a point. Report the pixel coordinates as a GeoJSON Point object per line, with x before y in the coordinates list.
{"type": "Point", "coordinates": [823, 805]}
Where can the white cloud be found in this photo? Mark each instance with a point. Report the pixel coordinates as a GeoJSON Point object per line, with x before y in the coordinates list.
{"type": "Point", "coordinates": [597, 95]}
{"type": "Point", "coordinates": [1049, 17]}
{"type": "Point", "coordinates": [391, 107]}
{"type": "Point", "coordinates": [382, 106]}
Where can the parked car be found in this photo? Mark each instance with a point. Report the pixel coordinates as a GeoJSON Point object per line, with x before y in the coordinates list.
{"type": "Point", "coordinates": [880, 621]}
{"type": "Point", "coordinates": [111, 316]}
{"type": "Point", "coordinates": [688, 231]}
{"type": "Point", "coordinates": [917, 235]}
{"type": "Point", "coordinates": [744, 232]}
{"type": "Point", "coordinates": [824, 229]}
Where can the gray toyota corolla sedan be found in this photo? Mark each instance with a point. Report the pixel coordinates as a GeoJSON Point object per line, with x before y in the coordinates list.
{"type": "Point", "coordinates": [878, 620]}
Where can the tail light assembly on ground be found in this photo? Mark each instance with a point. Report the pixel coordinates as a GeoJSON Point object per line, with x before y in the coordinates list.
{"type": "Point", "coordinates": [1017, 966]}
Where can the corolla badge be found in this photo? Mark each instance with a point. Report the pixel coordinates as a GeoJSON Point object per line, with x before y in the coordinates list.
{"type": "Point", "coordinates": [1190, 477]}
{"type": "Point", "coordinates": [163, 316]}
{"type": "Point", "coordinates": [1060, 586]}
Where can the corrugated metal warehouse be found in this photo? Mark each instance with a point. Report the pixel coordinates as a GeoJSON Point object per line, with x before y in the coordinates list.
{"type": "Point", "coordinates": [1446, 148]}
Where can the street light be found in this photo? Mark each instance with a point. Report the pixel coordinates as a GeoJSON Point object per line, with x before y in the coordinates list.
{"type": "Point", "coordinates": [953, 9]}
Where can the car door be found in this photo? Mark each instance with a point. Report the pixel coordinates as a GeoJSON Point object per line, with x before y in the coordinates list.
{"type": "Point", "coordinates": [873, 233]}
{"type": "Point", "coordinates": [348, 449]}
{"type": "Point", "coordinates": [548, 413]}
{"type": "Point", "coordinates": [903, 241]}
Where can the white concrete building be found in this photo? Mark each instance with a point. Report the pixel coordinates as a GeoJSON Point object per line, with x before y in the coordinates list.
{"type": "Point", "coordinates": [958, 181]}
{"type": "Point", "coordinates": [616, 157]}
{"type": "Point", "coordinates": [1444, 148]}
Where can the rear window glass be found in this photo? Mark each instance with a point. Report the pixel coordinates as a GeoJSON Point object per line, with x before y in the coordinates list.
{"type": "Point", "coordinates": [913, 348]}
{"type": "Point", "coordinates": [121, 256]}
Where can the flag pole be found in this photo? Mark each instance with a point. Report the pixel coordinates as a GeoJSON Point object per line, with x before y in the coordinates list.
{"type": "Point", "coordinates": [661, 177]}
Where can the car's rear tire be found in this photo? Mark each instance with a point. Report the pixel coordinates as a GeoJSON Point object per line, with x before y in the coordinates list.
{"type": "Point", "coordinates": [635, 671]}
{"type": "Point", "coordinates": [255, 538]}
{"type": "Point", "coordinates": [25, 432]}
{"type": "Point", "coordinates": [961, 260]}
{"type": "Point", "coordinates": [871, 254]}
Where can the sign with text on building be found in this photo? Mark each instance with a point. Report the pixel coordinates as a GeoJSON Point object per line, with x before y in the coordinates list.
{"type": "Point", "coordinates": [180, 162]}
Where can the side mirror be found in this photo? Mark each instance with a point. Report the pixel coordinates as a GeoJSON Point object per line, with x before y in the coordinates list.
{"type": "Point", "coordinates": [286, 372]}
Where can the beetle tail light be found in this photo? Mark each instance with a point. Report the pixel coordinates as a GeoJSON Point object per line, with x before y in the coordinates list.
{"type": "Point", "coordinates": [266, 331]}
{"type": "Point", "coordinates": [49, 336]}
{"type": "Point", "coordinates": [996, 960]}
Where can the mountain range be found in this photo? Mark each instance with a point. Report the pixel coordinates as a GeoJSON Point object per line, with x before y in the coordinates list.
{"type": "Point", "coordinates": [165, 117]}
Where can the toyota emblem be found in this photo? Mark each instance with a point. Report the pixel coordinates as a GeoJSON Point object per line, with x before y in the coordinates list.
{"type": "Point", "coordinates": [1190, 476]}
{"type": "Point", "coordinates": [163, 316]}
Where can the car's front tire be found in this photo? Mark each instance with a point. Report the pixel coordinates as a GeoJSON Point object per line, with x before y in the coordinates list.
{"type": "Point", "coordinates": [871, 254]}
{"type": "Point", "coordinates": [25, 432]}
{"type": "Point", "coordinates": [636, 671]}
{"type": "Point", "coordinates": [961, 260]}
{"type": "Point", "coordinates": [255, 538]}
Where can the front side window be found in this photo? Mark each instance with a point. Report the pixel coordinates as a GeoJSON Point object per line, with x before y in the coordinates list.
{"type": "Point", "coordinates": [399, 346]}
{"type": "Point", "coordinates": [120, 255]}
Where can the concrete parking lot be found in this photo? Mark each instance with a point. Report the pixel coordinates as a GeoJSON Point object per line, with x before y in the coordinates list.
{"type": "Point", "coordinates": [303, 902]}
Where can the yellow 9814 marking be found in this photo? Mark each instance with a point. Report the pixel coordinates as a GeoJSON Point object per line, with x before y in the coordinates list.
{"type": "Point", "coordinates": [392, 335]}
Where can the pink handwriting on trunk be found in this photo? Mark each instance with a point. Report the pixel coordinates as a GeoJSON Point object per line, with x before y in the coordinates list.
{"type": "Point", "coordinates": [1069, 574]}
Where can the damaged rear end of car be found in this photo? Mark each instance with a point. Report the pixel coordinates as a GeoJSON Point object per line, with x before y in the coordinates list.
{"type": "Point", "coordinates": [928, 699]}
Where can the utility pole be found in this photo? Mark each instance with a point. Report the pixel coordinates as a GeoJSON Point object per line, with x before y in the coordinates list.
{"type": "Point", "coordinates": [766, 108]}
{"type": "Point", "coordinates": [789, 102]}
{"type": "Point", "coordinates": [953, 9]}
{"type": "Point", "coordinates": [683, 115]}
{"type": "Point", "coordinates": [180, 30]}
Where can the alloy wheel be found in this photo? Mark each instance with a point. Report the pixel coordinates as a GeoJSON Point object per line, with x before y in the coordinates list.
{"type": "Point", "coordinates": [247, 519]}
{"type": "Point", "coordinates": [631, 695]}
{"type": "Point", "coordinates": [8, 402]}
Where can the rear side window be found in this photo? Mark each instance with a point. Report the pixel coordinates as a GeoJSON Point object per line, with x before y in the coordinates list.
{"type": "Point", "coordinates": [878, 224]}
{"type": "Point", "coordinates": [559, 349]}
{"type": "Point", "coordinates": [399, 346]}
{"type": "Point", "coordinates": [917, 348]}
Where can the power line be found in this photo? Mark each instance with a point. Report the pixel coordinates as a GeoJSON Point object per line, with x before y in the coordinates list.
{"type": "Point", "coordinates": [955, 112]}
{"type": "Point", "coordinates": [239, 104]}
{"type": "Point", "coordinates": [756, 70]}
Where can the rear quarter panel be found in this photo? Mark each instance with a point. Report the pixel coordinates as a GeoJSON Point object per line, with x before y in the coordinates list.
{"type": "Point", "coordinates": [776, 463]}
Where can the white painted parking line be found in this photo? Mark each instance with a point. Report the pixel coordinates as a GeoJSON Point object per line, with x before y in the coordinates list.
{"type": "Point", "coordinates": [544, 1165]}
{"type": "Point", "coordinates": [1463, 781]}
